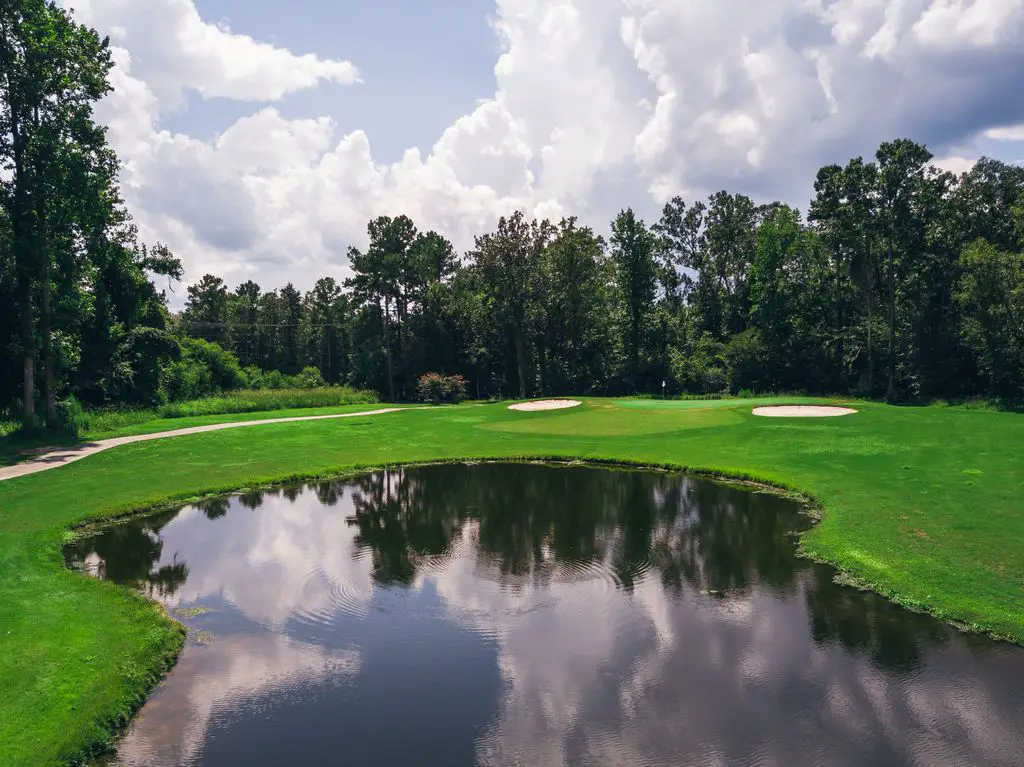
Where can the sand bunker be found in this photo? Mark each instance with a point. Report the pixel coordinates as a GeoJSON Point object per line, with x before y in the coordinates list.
{"type": "Point", "coordinates": [545, 404]}
{"type": "Point", "coordinates": [802, 411]}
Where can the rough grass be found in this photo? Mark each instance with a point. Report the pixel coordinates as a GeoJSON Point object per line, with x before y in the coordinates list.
{"type": "Point", "coordinates": [922, 504]}
{"type": "Point", "coordinates": [247, 401]}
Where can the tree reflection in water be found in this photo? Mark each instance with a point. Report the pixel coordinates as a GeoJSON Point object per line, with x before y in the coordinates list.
{"type": "Point", "coordinates": [127, 553]}
{"type": "Point", "coordinates": [551, 523]}
{"type": "Point", "coordinates": [532, 526]}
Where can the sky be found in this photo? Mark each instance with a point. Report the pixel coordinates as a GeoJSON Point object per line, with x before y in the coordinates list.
{"type": "Point", "coordinates": [258, 138]}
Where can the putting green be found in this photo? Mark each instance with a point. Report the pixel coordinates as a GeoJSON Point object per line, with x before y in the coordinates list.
{"type": "Point", "coordinates": [706, 404]}
{"type": "Point", "coordinates": [614, 422]}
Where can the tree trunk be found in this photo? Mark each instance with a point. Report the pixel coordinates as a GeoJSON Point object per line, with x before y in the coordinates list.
{"type": "Point", "coordinates": [871, 345]}
{"type": "Point", "coordinates": [387, 353]}
{"type": "Point", "coordinates": [521, 362]}
{"type": "Point", "coordinates": [49, 360]}
{"type": "Point", "coordinates": [28, 416]}
{"type": "Point", "coordinates": [840, 347]}
{"type": "Point", "coordinates": [891, 388]}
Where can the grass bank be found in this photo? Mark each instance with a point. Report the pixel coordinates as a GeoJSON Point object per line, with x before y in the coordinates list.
{"type": "Point", "coordinates": [922, 504]}
{"type": "Point", "coordinates": [231, 406]}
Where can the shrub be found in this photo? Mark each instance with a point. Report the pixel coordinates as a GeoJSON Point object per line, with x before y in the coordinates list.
{"type": "Point", "coordinates": [203, 369]}
{"type": "Point", "coordinates": [436, 388]}
{"type": "Point", "coordinates": [309, 378]}
{"type": "Point", "coordinates": [71, 417]}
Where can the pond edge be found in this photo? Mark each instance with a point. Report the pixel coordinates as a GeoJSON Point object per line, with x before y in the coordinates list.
{"type": "Point", "coordinates": [165, 660]}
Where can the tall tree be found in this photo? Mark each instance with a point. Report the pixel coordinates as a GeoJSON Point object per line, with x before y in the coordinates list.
{"type": "Point", "coordinates": [325, 317]}
{"type": "Point", "coordinates": [270, 331]}
{"type": "Point", "coordinates": [901, 178]}
{"type": "Point", "coordinates": [244, 320]}
{"type": "Point", "coordinates": [52, 71]}
{"type": "Point", "coordinates": [990, 296]}
{"type": "Point", "coordinates": [730, 235]}
{"type": "Point", "coordinates": [291, 319]}
{"type": "Point", "coordinates": [577, 337]}
{"type": "Point", "coordinates": [632, 252]}
{"type": "Point", "coordinates": [206, 309]}
{"type": "Point", "coordinates": [382, 281]}
{"type": "Point", "coordinates": [845, 210]}
{"type": "Point", "coordinates": [507, 262]}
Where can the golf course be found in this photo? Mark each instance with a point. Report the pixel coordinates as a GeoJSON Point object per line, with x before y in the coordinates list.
{"type": "Point", "coordinates": [920, 504]}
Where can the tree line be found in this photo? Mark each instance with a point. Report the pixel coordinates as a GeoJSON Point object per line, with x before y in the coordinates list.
{"type": "Point", "coordinates": [901, 281]}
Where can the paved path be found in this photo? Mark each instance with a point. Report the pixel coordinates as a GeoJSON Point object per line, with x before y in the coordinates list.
{"type": "Point", "coordinates": [63, 456]}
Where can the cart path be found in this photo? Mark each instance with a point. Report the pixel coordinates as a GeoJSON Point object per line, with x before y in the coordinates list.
{"type": "Point", "coordinates": [65, 455]}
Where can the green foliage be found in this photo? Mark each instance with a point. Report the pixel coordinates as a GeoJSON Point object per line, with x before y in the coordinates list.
{"type": "Point", "coordinates": [705, 370]}
{"type": "Point", "coordinates": [72, 419]}
{"type": "Point", "coordinates": [990, 295]}
{"type": "Point", "coordinates": [436, 388]}
{"type": "Point", "coordinates": [308, 378]}
{"type": "Point", "coordinates": [632, 252]}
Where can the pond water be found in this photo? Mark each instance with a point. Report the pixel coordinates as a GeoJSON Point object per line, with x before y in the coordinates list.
{"type": "Point", "coordinates": [539, 615]}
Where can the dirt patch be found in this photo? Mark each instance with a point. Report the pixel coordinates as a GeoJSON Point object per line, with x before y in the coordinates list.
{"type": "Point", "coordinates": [545, 404]}
{"type": "Point", "coordinates": [802, 411]}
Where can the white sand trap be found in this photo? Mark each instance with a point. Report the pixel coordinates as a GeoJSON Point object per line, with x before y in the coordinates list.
{"type": "Point", "coordinates": [802, 411]}
{"type": "Point", "coordinates": [545, 404]}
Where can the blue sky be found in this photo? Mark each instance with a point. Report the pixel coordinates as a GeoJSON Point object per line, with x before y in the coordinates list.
{"type": "Point", "coordinates": [423, 63]}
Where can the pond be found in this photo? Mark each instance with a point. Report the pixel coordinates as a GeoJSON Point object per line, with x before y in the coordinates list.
{"type": "Point", "coordinates": [525, 614]}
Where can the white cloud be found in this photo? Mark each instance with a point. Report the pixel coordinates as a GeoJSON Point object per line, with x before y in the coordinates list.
{"type": "Point", "coordinates": [956, 164]}
{"type": "Point", "coordinates": [178, 51]}
{"type": "Point", "coordinates": [210, 679]}
{"type": "Point", "coordinates": [599, 105]}
{"type": "Point", "coordinates": [1007, 133]}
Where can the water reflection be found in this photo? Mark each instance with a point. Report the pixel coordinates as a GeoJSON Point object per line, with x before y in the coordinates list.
{"type": "Point", "coordinates": [504, 615]}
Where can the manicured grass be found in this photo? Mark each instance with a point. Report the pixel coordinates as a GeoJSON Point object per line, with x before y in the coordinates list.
{"type": "Point", "coordinates": [15, 448]}
{"type": "Point", "coordinates": [923, 504]}
{"type": "Point", "coordinates": [639, 403]}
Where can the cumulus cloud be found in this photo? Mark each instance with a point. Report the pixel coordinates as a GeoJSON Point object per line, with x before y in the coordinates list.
{"type": "Point", "coordinates": [178, 51]}
{"type": "Point", "coordinates": [599, 105]}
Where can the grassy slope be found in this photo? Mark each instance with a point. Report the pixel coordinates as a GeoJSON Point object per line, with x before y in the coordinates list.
{"type": "Point", "coordinates": [922, 503]}
{"type": "Point", "coordinates": [12, 449]}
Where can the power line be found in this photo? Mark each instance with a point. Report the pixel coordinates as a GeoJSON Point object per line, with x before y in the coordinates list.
{"type": "Point", "coordinates": [200, 323]}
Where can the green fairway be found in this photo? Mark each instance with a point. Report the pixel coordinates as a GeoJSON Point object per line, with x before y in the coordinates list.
{"type": "Point", "coordinates": [923, 504]}
{"type": "Point", "coordinates": [704, 404]}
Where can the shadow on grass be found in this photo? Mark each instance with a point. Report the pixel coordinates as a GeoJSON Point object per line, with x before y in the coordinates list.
{"type": "Point", "coordinates": [19, 446]}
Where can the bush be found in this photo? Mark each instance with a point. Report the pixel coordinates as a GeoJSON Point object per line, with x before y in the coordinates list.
{"type": "Point", "coordinates": [203, 369]}
{"type": "Point", "coordinates": [436, 388]}
{"type": "Point", "coordinates": [309, 378]}
{"type": "Point", "coordinates": [71, 417]}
